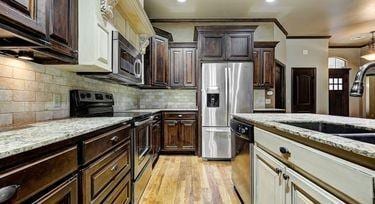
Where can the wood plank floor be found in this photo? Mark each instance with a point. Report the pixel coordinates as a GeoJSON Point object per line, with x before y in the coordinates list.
{"type": "Point", "coordinates": [189, 179]}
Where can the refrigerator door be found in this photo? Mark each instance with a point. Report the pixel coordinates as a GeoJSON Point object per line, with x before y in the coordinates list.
{"type": "Point", "coordinates": [214, 94]}
{"type": "Point", "coordinates": [240, 85]}
{"type": "Point", "coordinates": [216, 143]}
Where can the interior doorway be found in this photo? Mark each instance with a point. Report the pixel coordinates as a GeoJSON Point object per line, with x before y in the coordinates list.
{"type": "Point", "coordinates": [304, 90]}
{"type": "Point", "coordinates": [279, 85]}
{"type": "Point", "coordinates": [339, 92]}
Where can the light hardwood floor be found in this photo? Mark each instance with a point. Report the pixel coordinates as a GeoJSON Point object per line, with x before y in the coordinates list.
{"type": "Point", "coordinates": [189, 179]}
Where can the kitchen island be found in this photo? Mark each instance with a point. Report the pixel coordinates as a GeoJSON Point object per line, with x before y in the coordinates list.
{"type": "Point", "coordinates": [294, 160]}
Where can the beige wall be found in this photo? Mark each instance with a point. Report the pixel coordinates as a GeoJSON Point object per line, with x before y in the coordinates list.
{"type": "Point", "coordinates": [318, 58]}
{"type": "Point", "coordinates": [352, 55]}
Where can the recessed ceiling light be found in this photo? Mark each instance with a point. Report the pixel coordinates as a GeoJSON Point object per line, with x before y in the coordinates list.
{"type": "Point", "coordinates": [181, 1]}
{"type": "Point", "coordinates": [357, 37]}
{"type": "Point", "coordinates": [269, 1]}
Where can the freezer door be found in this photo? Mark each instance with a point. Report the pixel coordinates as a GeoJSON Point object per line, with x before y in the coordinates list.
{"type": "Point", "coordinates": [216, 143]}
{"type": "Point", "coordinates": [240, 97]}
{"type": "Point", "coordinates": [214, 94]}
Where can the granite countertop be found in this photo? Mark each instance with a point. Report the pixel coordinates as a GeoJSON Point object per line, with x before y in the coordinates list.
{"type": "Point", "coordinates": [273, 120]}
{"type": "Point", "coordinates": [28, 137]}
{"type": "Point", "coordinates": [269, 109]}
{"type": "Point", "coordinates": [155, 110]}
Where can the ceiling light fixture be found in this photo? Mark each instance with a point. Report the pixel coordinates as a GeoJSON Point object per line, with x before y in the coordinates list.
{"type": "Point", "coordinates": [269, 1]}
{"type": "Point", "coordinates": [370, 56]}
{"type": "Point", "coordinates": [26, 55]}
{"type": "Point", "coordinates": [181, 1]}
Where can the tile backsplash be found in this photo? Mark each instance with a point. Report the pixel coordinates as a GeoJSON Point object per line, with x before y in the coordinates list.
{"type": "Point", "coordinates": [30, 93]}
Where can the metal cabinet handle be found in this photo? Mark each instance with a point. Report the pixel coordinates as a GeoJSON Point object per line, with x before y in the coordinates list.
{"type": "Point", "coordinates": [179, 116]}
{"type": "Point", "coordinates": [278, 171]}
{"type": "Point", "coordinates": [115, 139]}
{"type": "Point", "coordinates": [8, 194]}
{"type": "Point", "coordinates": [284, 150]}
{"type": "Point", "coordinates": [286, 177]}
{"type": "Point", "coordinates": [115, 167]}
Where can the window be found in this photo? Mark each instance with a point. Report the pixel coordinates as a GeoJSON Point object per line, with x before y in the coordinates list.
{"type": "Point", "coordinates": [335, 84]}
{"type": "Point", "coordinates": [336, 62]}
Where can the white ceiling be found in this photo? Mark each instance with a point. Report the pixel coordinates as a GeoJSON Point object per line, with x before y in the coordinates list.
{"type": "Point", "coordinates": [342, 19]}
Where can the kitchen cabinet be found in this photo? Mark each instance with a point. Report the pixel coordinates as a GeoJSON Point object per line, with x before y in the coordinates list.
{"type": "Point", "coordinates": [276, 183]}
{"type": "Point", "coordinates": [223, 43]}
{"type": "Point", "coordinates": [64, 193]}
{"type": "Point", "coordinates": [264, 64]}
{"type": "Point", "coordinates": [182, 65]}
{"type": "Point", "coordinates": [180, 132]}
{"type": "Point", "coordinates": [157, 60]}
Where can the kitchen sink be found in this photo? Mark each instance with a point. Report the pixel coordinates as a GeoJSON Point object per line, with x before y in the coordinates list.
{"type": "Point", "coordinates": [346, 131]}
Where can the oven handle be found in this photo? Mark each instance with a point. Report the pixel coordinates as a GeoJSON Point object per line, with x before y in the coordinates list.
{"type": "Point", "coordinates": [136, 124]}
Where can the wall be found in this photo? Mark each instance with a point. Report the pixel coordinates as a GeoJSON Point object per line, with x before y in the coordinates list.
{"type": "Point", "coordinates": [353, 56]}
{"type": "Point", "coordinates": [167, 99]}
{"type": "Point", "coordinates": [318, 58]}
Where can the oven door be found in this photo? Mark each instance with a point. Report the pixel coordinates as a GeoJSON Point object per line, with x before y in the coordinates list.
{"type": "Point", "coordinates": [141, 145]}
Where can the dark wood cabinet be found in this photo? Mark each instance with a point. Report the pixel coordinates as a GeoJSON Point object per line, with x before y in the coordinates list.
{"type": "Point", "coordinates": [222, 43]}
{"type": "Point", "coordinates": [157, 60]}
{"type": "Point", "coordinates": [182, 65]}
{"type": "Point", "coordinates": [264, 64]}
{"type": "Point", "coordinates": [63, 15]}
{"type": "Point", "coordinates": [180, 132]}
{"type": "Point", "coordinates": [66, 193]}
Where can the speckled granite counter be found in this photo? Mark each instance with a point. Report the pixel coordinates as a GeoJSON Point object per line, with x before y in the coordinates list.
{"type": "Point", "coordinates": [163, 109]}
{"type": "Point", "coordinates": [41, 134]}
{"type": "Point", "coordinates": [273, 121]}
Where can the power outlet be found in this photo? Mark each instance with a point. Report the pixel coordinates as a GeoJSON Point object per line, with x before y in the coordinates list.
{"type": "Point", "coordinates": [57, 100]}
{"type": "Point", "coordinates": [268, 101]}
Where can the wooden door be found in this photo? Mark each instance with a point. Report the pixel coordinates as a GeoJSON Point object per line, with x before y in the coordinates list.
{"type": "Point", "coordinates": [63, 21]}
{"type": "Point", "coordinates": [269, 184]}
{"type": "Point", "coordinates": [160, 69]}
{"type": "Point", "coordinates": [188, 134]}
{"type": "Point", "coordinates": [300, 190]}
{"type": "Point", "coordinates": [26, 15]}
{"type": "Point", "coordinates": [171, 132]}
{"type": "Point", "coordinates": [177, 65]}
{"type": "Point", "coordinates": [212, 46]}
{"type": "Point", "coordinates": [258, 72]}
{"type": "Point", "coordinates": [303, 90]}
{"type": "Point", "coordinates": [268, 66]}
{"type": "Point", "coordinates": [239, 46]}
{"type": "Point", "coordinates": [279, 86]}
{"type": "Point", "coordinates": [66, 193]}
{"type": "Point", "coordinates": [189, 69]}
{"type": "Point", "coordinates": [339, 92]}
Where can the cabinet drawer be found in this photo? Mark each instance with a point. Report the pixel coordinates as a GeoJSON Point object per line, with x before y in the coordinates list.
{"type": "Point", "coordinates": [327, 170]}
{"type": "Point", "coordinates": [37, 175]}
{"type": "Point", "coordinates": [64, 193]}
{"type": "Point", "coordinates": [101, 144]}
{"type": "Point", "coordinates": [180, 115]}
{"type": "Point", "coordinates": [100, 178]}
{"type": "Point", "coordinates": [122, 192]}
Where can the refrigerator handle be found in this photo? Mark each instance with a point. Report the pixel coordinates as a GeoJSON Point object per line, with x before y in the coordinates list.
{"type": "Point", "coordinates": [229, 92]}
{"type": "Point", "coordinates": [226, 90]}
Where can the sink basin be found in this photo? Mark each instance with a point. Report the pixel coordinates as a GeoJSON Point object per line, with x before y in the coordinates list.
{"type": "Point", "coordinates": [346, 131]}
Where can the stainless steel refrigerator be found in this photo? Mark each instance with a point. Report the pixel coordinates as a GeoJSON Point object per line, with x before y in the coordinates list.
{"type": "Point", "coordinates": [227, 88]}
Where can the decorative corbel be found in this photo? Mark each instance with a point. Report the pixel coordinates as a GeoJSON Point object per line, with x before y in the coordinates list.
{"type": "Point", "coordinates": [143, 43]}
{"type": "Point", "coordinates": [106, 8]}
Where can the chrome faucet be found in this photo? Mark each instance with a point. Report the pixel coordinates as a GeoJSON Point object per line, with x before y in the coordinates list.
{"type": "Point", "coordinates": [358, 88]}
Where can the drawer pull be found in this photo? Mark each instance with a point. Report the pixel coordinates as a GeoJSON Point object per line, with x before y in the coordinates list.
{"type": "Point", "coordinates": [8, 194]}
{"type": "Point", "coordinates": [278, 171]}
{"type": "Point", "coordinates": [115, 139]}
{"type": "Point", "coordinates": [179, 116]}
{"type": "Point", "coordinates": [114, 168]}
{"type": "Point", "coordinates": [284, 150]}
{"type": "Point", "coordinates": [286, 177]}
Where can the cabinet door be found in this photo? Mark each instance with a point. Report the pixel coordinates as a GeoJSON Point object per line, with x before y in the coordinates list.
{"type": "Point", "coordinates": [189, 67]}
{"type": "Point", "coordinates": [26, 14]}
{"type": "Point", "coordinates": [176, 67]}
{"type": "Point", "coordinates": [239, 46]}
{"type": "Point", "coordinates": [269, 184]}
{"type": "Point", "coordinates": [160, 62]}
{"type": "Point", "coordinates": [63, 18]}
{"type": "Point", "coordinates": [212, 46]}
{"type": "Point", "coordinates": [300, 190]}
{"type": "Point", "coordinates": [258, 78]}
{"type": "Point", "coordinates": [268, 64]}
{"type": "Point", "coordinates": [171, 140]}
{"type": "Point", "coordinates": [65, 193]}
{"type": "Point", "coordinates": [188, 134]}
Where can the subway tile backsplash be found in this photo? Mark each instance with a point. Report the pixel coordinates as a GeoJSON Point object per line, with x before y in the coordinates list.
{"type": "Point", "coordinates": [30, 93]}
